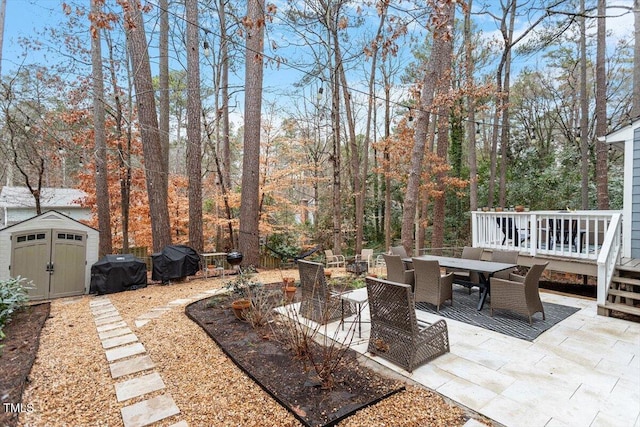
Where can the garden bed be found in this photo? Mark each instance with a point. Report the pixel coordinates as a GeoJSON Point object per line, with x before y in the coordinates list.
{"type": "Point", "coordinates": [262, 357]}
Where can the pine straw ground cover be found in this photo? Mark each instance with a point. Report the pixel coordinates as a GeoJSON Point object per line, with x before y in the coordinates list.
{"type": "Point", "coordinates": [70, 382]}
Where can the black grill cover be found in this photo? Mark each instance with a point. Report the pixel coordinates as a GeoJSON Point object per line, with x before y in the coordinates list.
{"type": "Point", "coordinates": [117, 273]}
{"type": "Point", "coordinates": [175, 262]}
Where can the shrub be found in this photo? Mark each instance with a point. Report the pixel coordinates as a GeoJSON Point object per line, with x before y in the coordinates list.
{"type": "Point", "coordinates": [13, 296]}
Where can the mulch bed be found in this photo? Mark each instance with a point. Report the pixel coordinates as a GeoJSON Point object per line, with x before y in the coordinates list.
{"type": "Point", "coordinates": [297, 389]}
{"type": "Point", "coordinates": [17, 356]}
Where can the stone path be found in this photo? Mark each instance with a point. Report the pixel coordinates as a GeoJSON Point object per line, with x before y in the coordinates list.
{"type": "Point", "coordinates": [127, 356]}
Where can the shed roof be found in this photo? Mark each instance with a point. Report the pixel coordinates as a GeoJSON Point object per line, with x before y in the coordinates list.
{"type": "Point", "coordinates": [21, 197]}
{"type": "Point", "coordinates": [46, 216]}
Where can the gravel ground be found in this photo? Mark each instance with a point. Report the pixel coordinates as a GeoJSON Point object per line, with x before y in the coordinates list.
{"type": "Point", "coordinates": [70, 382]}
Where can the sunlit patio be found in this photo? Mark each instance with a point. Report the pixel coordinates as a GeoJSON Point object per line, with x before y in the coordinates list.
{"type": "Point", "coordinates": [584, 371]}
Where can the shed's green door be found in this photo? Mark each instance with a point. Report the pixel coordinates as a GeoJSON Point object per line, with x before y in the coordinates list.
{"type": "Point", "coordinates": [54, 260]}
{"type": "Point", "coordinates": [30, 259]}
{"type": "Point", "coordinates": [68, 260]}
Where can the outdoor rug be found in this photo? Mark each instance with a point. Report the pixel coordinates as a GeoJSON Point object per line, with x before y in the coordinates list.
{"type": "Point", "coordinates": [506, 322]}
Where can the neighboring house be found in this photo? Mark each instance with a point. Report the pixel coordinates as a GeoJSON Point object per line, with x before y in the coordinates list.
{"type": "Point", "coordinates": [627, 139]}
{"type": "Point", "coordinates": [18, 204]}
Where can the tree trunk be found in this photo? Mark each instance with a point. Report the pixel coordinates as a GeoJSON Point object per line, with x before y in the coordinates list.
{"type": "Point", "coordinates": [584, 111]}
{"type": "Point", "coordinates": [149, 132]}
{"type": "Point", "coordinates": [100, 141]}
{"type": "Point", "coordinates": [163, 80]}
{"type": "Point", "coordinates": [249, 238]}
{"type": "Point", "coordinates": [602, 149]}
{"type": "Point", "coordinates": [422, 124]}
{"type": "Point", "coordinates": [124, 153]}
{"type": "Point", "coordinates": [504, 134]}
{"type": "Point", "coordinates": [444, 113]}
{"type": "Point", "coordinates": [194, 145]}
{"type": "Point", "coordinates": [471, 111]}
{"type": "Point", "coordinates": [386, 159]}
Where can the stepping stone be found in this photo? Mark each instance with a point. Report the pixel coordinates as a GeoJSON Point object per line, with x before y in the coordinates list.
{"type": "Point", "coordinates": [150, 315]}
{"type": "Point", "coordinates": [126, 351]}
{"type": "Point", "coordinates": [141, 323]}
{"type": "Point", "coordinates": [215, 291]}
{"type": "Point", "coordinates": [114, 333]}
{"type": "Point", "coordinates": [117, 341]}
{"type": "Point", "coordinates": [180, 301]}
{"type": "Point", "coordinates": [149, 411]}
{"type": "Point", "coordinates": [100, 302]}
{"type": "Point", "coordinates": [162, 309]}
{"type": "Point", "coordinates": [102, 308]}
{"type": "Point", "coordinates": [106, 315]}
{"type": "Point", "coordinates": [112, 326]}
{"type": "Point", "coordinates": [138, 386]}
{"type": "Point", "coordinates": [199, 296]}
{"type": "Point", "coordinates": [107, 320]}
{"type": "Point", "coordinates": [131, 366]}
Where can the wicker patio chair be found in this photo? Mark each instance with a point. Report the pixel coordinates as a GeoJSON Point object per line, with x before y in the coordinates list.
{"type": "Point", "coordinates": [467, 278]}
{"type": "Point", "coordinates": [508, 257]}
{"type": "Point", "coordinates": [519, 294]}
{"type": "Point", "coordinates": [397, 271]}
{"type": "Point", "coordinates": [318, 302]}
{"type": "Point", "coordinates": [332, 260]}
{"type": "Point", "coordinates": [430, 286]}
{"type": "Point", "coordinates": [398, 250]}
{"type": "Point", "coordinates": [395, 333]}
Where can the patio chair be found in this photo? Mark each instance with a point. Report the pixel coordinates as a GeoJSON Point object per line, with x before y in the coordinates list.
{"type": "Point", "coordinates": [519, 293]}
{"type": "Point", "coordinates": [467, 278]}
{"type": "Point", "coordinates": [398, 250]}
{"type": "Point", "coordinates": [318, 302]}
{"type": "Point", "coordinates": [366, 255]}
{"type": "Point", "coordinates": [396, 334]}
{"type": "Point", "coordinates": [430, 286]}
{"type": "Point", "coordinates": [396, 270]}
{"type": "Point", "coordinates": [332, 260]}
{"type": "Point", "coordinates": [508, 257]}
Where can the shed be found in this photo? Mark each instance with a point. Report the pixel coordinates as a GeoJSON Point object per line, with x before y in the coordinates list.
{"type": "Point", "coordinates": [628, 140]}
{"type": "Point", "coordinates": [53, 250]}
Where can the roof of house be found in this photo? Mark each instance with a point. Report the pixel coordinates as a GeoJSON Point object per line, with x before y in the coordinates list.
{"type": "Point", "coordinates": [623, 134]}
{"type": "Point", "coordinates": [21, 197]}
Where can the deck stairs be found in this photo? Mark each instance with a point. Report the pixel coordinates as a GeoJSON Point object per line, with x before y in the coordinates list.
{"type": "Point", "coordinates": [624, 291]}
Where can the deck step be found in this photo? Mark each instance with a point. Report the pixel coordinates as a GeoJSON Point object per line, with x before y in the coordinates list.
{"type": "Point", "coordinates": [623, 308]}
{"type": "Point", "coordinates": [625, 294]}
{"type": "Point", "coordinates": [626, 280]}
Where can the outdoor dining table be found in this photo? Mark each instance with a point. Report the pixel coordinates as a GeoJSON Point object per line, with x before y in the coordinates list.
{"type": "Point", "coordinates": [485, 270]}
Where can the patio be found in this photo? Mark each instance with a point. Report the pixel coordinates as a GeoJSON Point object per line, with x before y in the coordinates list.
{"type": "Point", "coordinates": [584, 371]}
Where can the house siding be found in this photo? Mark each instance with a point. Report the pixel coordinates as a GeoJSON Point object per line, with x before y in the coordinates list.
{"type": "Point", "coordinates": [635, 197]}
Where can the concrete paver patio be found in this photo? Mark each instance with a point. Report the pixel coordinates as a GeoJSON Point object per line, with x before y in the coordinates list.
{"type": "Point", "coordinates": [584, 371]}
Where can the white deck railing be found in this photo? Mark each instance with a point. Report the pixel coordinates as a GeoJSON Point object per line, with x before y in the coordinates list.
{"type": "Point", "coordinates": [578, 235]}
{"type": "Point", "coordinates": [609, 257]}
